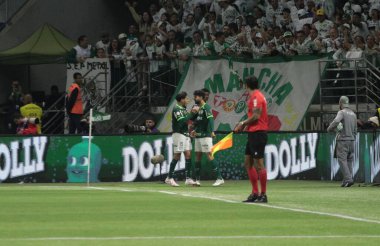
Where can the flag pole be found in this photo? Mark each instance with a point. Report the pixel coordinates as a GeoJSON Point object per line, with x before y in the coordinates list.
{"type": "Point", "coordinates": [89, 148]}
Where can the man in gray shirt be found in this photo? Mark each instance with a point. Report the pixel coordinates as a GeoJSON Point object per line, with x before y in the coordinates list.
{"type": "Point", "coordinates": [345, 124]}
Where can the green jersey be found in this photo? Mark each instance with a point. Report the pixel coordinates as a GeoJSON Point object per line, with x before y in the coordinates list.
{"type": "Point", "coordinates": [180, 117]}
{"type": "Point", "coordinates": [204, 122]}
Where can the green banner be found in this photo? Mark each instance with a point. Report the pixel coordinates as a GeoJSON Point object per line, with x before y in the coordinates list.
{"type": "Point", "coordinates": [127, 158]}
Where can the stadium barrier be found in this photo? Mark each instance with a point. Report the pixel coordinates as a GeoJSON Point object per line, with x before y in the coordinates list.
{"type": "Point", "coordinates": [289, 155]}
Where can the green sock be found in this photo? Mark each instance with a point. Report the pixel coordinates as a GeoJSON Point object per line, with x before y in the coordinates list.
{"type": "Point", "coordinates": [188, 168]}
{"type": "Point", "coordinates": [172, 167]}
{"type": "Point", "coordinates": [216, 168]}
{"type": "Point", "coordinates": [198, 170]}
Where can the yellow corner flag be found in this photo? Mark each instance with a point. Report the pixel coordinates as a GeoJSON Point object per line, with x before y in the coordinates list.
{"type": "Point", "coordinates": [225, 143]}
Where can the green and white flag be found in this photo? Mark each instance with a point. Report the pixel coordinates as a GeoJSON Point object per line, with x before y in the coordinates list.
{"type": "Point", "coordinates": [288, 85]}
{"type": "Point", "coordinates": [99, 116]}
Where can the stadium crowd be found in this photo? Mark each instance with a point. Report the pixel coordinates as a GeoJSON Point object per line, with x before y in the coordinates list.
{"type": "Point", "coordinates": [167, 32]}
{"type": "Point", "coordinates": [177, 29]}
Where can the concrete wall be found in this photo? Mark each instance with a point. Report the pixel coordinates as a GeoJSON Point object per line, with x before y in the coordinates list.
{"type": "Point", "coordinates": [73, 18]}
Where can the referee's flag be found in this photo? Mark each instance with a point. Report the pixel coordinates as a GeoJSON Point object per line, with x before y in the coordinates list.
{"type": "Point", "coordinates": [225, 143]}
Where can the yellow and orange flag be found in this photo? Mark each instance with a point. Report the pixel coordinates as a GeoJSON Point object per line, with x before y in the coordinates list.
{"type": "Point", "coordinates": [225, 143]}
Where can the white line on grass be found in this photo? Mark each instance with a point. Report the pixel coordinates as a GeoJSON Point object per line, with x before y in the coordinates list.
{"type": "Point", "coordinates": [341, 216]}
{"type": "Point", "coordinates": [192, 237]}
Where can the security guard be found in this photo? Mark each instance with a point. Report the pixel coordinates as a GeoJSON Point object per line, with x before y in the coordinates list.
{"type": "Point", "coordinates": [31, 110]}
{"type": "Point", "coordinates": [74, 105]}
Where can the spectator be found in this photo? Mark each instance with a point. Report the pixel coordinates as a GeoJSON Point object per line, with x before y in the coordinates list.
{"type": "Point", "coordinates": [101, 53]}
{"type": "Point", "coordinates": [154, 13]}
{"type": "Point", "coordinates": [150, 125]}
{"type": "Point", "coordinates": [260, 49]}
{"type": "Point", "coordinates": [131, 52]}
{"type": "Point", "coordinates": [310, 8]}
{"type": "Point", "coordinates": [286, 22]}
{"type": "Point", "coordinates": [261, 20]}
{"type": "Point", "coordinates": [306, 29]}
{"type": "Point", "coordinates": [323, 25]}
{"type": "Point", "coordinates": [82, 51]}
{"type": "Point", "coordinates": [219, 44]}
{"type": "Point", "coordinates": [104, 43]}
{"type": "Point", "coordinates": [74, 104]}
{"type": "Point", "coordinates": [16, 97]}
{"type": "Point", "coordinates": [168, 8]}
{"type": "Point", "coordinates": [229, 13]}
{"type": "Point", "coordinates": [371, 47]}
{"type": "Point", "coordinates": [274, 12]}
{"type": "Point", "coordinates": [277, 33]}
{"type": "Point", "coordinates": [288, 48]}
{"type": "Point", "coordinates": [132, 32]}
{"type": "Point", "coordinates": [122, 39]}
{"type": "Point", "coordinates": [174, 24]}
{"type": "Point", "coordinates": [333, 42]}
{"type": "Point", "coordinates": [188, 28]}
{"type": "Point", "coordinates": [117, 66]}
{"type": "Point", "coordinates": [209, 26]}
{"type": "Point", "coordinates": [198, 48]}
{"type": "Point", "coordinates": [242, 47]}
{"type": "Point", "coordinates": [346, 32]}
{"type": "Point", "coordinates": [303, 45]}
{"type": "Point", "coordinates": [374, 21]}
{"type": "Point", "coordinates": [144, 22]}
{"type": "Point", "coordinates": [233, 31]}
{"type": "Point", "coordinates": [359, 27]}
{"type": "Point", "coordinates": [251, 21]}
{"type": "Point", "coordinates": [31, 111]}
{"type": "Point", "coordinates": [14, 102]}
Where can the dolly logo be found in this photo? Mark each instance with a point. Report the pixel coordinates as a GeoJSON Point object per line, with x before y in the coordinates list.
{"type": "Point", "coordinates": [375, 158]}
{"type": "Point", "coordinates": [23, 157]}
{"type": "Point", "coordinates": [334, 164]}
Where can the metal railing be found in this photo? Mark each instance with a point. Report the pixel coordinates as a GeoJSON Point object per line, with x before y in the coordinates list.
{"type": "Point", "coordinates": [8, 8]}
{"type": "Point", "coordinates": [358, 79]}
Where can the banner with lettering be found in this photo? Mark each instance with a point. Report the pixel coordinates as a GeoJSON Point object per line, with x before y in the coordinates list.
{"type": "Point", "coordinates": [288, 86]}
{"type": "Point", "coordinates": [51, 159]}
{"type": "Point", "coordinates": [97, 78]}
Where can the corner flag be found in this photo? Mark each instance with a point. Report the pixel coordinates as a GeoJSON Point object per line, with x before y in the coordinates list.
{"type": "Point", "coordinates": [225, 143]}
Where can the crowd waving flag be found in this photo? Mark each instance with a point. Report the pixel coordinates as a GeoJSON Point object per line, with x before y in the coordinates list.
{"type": "Point", "coordinates": [225, 143]}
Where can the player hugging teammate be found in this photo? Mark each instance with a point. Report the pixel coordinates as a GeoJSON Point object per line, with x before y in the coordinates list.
{"type": "Point", "coordinates": [203, 132]}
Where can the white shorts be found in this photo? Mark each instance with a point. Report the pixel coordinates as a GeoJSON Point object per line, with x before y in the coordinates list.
{"type": "Point", "coordinates": [181, 143]}
{"type": "Point", "coordinates": [203, 145]}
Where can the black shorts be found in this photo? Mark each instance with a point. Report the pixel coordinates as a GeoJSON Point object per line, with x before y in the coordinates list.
{"type": "Point", "coordinates": [256, 144]}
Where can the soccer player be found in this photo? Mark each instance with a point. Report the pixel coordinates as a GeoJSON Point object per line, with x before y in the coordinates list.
{"type": "Point", "coordinates": [181, 139]}
{"type": "Point", "coordinates": [207, 93]}
{"type": "Point", "coordinates": [256, 125]}
{"type": "Point", "coordinates": [203, 133]}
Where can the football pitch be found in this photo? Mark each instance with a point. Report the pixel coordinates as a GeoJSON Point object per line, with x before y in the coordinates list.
{"type": "Point", "coordinates": [298, 213]}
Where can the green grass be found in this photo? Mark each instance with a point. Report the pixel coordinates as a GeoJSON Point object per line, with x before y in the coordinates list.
{"type": "Point", "coordinates": [131, 210]}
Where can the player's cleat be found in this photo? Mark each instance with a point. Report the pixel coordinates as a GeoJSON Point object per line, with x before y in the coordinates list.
{"type": "Point", "coordinates": [172, 182]}
{"type": "Point", "coordinates": [167, 180]}
{"type": "Point", "coordinates": [218, 182]}
{"type": "Point", "coordinates": [252, 198]}
{"type": "Point", "coordinates": [263, 198]}
{"type": "Point", "coordinates": [189, 181]}
{"type": "Point", "coordinates": [197, 183]}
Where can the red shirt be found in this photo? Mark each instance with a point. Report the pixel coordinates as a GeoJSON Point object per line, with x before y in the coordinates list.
{"type": "Point", "coordinates": [255, 101]}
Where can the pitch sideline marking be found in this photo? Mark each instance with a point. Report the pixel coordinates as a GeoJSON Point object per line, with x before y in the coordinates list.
{"type": "Point", "coordinates": [191, 237]}
{"type": "Point", "coordinates": [341, 216]}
